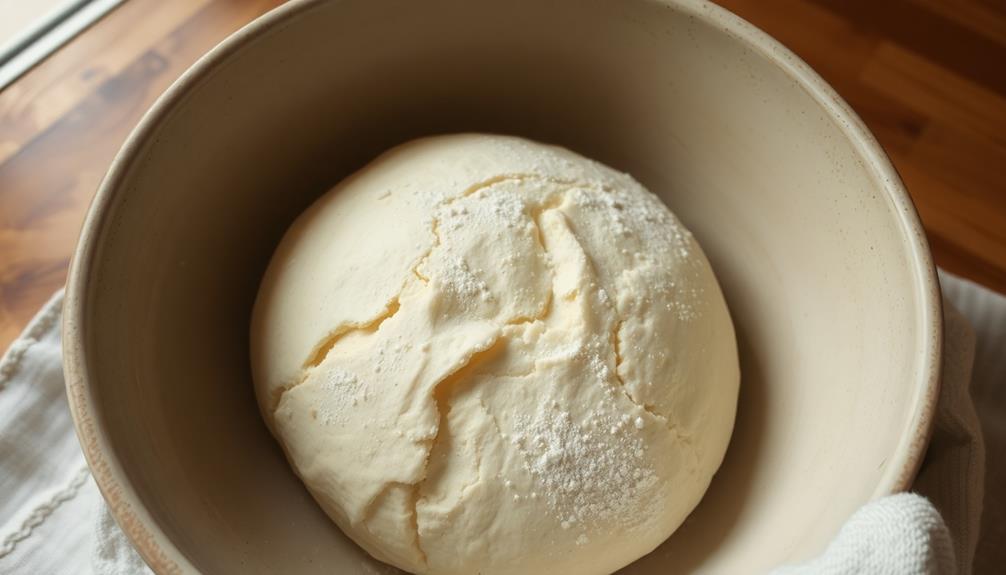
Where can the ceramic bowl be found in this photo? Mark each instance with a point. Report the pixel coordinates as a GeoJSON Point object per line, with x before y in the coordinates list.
{"type": "Point", "coordinates": [817, 246]}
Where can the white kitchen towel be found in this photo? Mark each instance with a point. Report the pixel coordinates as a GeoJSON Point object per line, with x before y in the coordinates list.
{"type": "Point", "coordinates": [897, 535]}
{"type": "Point", "coordinates": [53, 520]}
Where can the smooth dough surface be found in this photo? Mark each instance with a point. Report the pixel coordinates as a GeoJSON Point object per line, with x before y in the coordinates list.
{"type": "Point", "coordinates": [487, 355]}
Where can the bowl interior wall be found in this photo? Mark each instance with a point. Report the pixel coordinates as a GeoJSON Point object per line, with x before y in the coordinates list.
{"type": "Point", "coordinates": [809, 249]}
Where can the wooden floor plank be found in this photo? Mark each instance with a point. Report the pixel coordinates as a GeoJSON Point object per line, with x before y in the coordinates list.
{"type": "Point", "coordinates": [986, 19]}
{"type": "Point", "coordinates": [943, 41]}
{"type": "Point", "coordinates": [48, 92]}
{"type": "Point", "coordinates": [968, 228]}
{"type": "Point", "coordinates": [48, 180]}
{"type": "Point", "coordinates": [936, 92]}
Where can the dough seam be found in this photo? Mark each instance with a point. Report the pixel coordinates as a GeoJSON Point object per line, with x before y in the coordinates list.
{"type": "Point", "coordinates": [615, 341]}
{"type": "Point", "coordinates": [441, 395]}
{"type": "Point", "coordinates": [322, 349]}
{"type": "Point", "coordinates": [443, 391]}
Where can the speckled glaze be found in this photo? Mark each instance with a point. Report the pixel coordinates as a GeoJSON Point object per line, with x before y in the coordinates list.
{"type": "Point", "coordinates": [818, 248]}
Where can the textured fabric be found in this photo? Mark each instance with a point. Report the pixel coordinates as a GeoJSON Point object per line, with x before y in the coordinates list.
{"type": "Point", "coordinates": [952, 475]}
{"type": "Point", "coordinates": [48, 496]}
{"type": "Point", "coordinates": [985, 311]}
{"type": "Point", "coordinates": [901, 534]}
{"type": "Point", "coordinates": [53, 520]}
{"type": "Point", "coordinates": [113, 555]}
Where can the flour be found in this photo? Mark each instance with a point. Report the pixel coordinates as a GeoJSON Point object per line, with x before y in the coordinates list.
{"type": "Point", "coordinates": [458, 280]}
{"type": "Point", "coordinates": [342, 392]}
{"type": "Point", "coordinates": [590, 473]}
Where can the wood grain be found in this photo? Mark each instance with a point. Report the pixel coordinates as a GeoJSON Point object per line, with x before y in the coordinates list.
{"type": "Point", "coordinates": [926, 76]}
{"type": "Point", "coordinates": [61, 124]}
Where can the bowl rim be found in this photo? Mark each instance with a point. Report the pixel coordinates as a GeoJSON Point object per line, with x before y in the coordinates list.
{"type": "Point", "coordinates": [123, 501]}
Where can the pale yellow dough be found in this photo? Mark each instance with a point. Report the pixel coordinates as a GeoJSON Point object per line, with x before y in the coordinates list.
{"type": "Point", "coordinates": [487, 355]}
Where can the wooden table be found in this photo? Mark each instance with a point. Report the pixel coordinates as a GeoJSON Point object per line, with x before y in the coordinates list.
{"type": "Point", "coordinates": [928, 76]}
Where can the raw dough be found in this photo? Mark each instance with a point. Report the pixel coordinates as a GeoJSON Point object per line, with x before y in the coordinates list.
{"type": "Point", "coordinates": [487, 355]}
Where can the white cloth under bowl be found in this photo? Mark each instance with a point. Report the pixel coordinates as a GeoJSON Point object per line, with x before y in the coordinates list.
{"type": "Point", "coordinates": [54, 521]}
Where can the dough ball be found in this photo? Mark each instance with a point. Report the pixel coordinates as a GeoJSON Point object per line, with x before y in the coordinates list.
{"type": "Point", "coordinates": [487, 355]}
